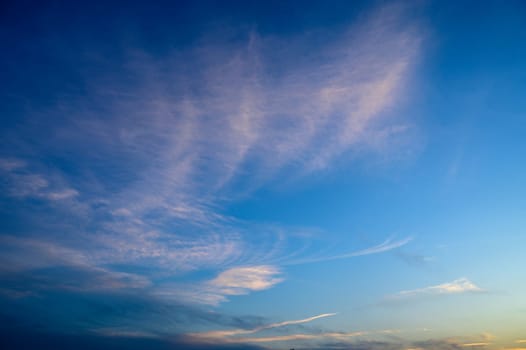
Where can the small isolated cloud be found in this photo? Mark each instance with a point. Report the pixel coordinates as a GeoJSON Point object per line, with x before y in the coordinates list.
{"type": "Point", "coordinates": [241, 280]}
{"type": "Point", "coordinates": [459, 286]}
{"type": "Point", "coordinates": [63, 194]}
{"type": "Point", "coordinates": [233, 281]}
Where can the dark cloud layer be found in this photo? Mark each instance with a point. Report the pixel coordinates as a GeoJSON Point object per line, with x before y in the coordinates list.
{"type": "Point", "coordinates": [64, 312]}
{"type": "Point", "coordinates": [24, 339]}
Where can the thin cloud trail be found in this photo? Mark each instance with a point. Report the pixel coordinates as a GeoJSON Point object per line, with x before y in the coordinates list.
{"type": "Point", "coordinates": [458, 286]}
{"type": "Point", "coordinates": [385, 246]}
{"type": "Point", "coordinates": [230, 333]}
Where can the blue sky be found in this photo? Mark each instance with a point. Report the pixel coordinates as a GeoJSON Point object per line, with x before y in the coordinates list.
{"type": "Point", "coordinates": [263, 175]}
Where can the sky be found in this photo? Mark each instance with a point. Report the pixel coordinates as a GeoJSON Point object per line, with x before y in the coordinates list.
{"type": "Point", "coordinates": [263, 175]}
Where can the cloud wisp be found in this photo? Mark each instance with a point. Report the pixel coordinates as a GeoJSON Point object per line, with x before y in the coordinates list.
{"type": "Point", "coordinates": [231, 282]}
{"type": "Point", "coordinates": [239, 279]}
{"type": "Point", "coordinates": [20, 181]}
{"type": "Point", "coordinates": [387, 245]}
{"type": "Point", "coordinates": [458, 286]}
{"type": "Point", "coordinates": [226, 335]}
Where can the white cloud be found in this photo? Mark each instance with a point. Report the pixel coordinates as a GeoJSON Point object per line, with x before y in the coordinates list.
{"type": "Point", "coordinates": [240, 115]}
{"type": "Point", "coordinates": [226, 335]}
{"type": "Point", "coordinates": [385, 246]}
{"type": "Point", "coordinates": [63, 194]}
{"type": "Point", "coordinates": [23, 182]}
{"type": "Point", "coordinates": [286, 323]}
{"type": "Point", "coordinates": [233, 281]}
{"type": "Point", "coordinates": [76, 269]}
{"type": "Point", "coordinates": [240, 280]}
{"type": "Point", "coordinates": [28, 185]}
{"type": "Point", "coordinates": [459, 286]}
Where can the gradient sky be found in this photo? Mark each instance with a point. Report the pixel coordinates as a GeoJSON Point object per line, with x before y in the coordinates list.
{"type": "Point", "coordinates": [263, 175]}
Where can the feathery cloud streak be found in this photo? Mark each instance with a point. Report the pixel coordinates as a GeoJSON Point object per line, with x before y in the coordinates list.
{"type": "Point", "coordinates": [459, 286]}
{"type": "Point", "coordinates": [385, 246]}
{"type": "Point", "coordinates": [225, 335]}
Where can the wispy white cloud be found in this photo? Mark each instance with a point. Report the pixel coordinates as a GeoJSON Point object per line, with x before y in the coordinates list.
{"type": "Point", "coordinates": [226, 334]}
{"type": "Point", "coordinates": [231, 335]}
{"type": "Point", "coordinates": [137, 242]}
{"type": "Point", "coordinates": [233, 281]}
{"type": "Point", "coordinates": [23, 182]}
{"type": "Point", "coordinates": [385, 246]}
{"type": "Point", "coordinates": [459, 286]}
{"type": "Point", "coordinates": [242, 115]}
{"type": "Point", "coordinates": [23, 254]}
{"type": "Point", "coordinates": [74, 269]}
{"type": "Point", "coordinates": [304, 320]}
{"type": "Point", "coordinates": [239, 280]}
{"type": "Point", "coordinates": [28, 185]}
{"type": "Point", "coordinates": [63, 194]}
